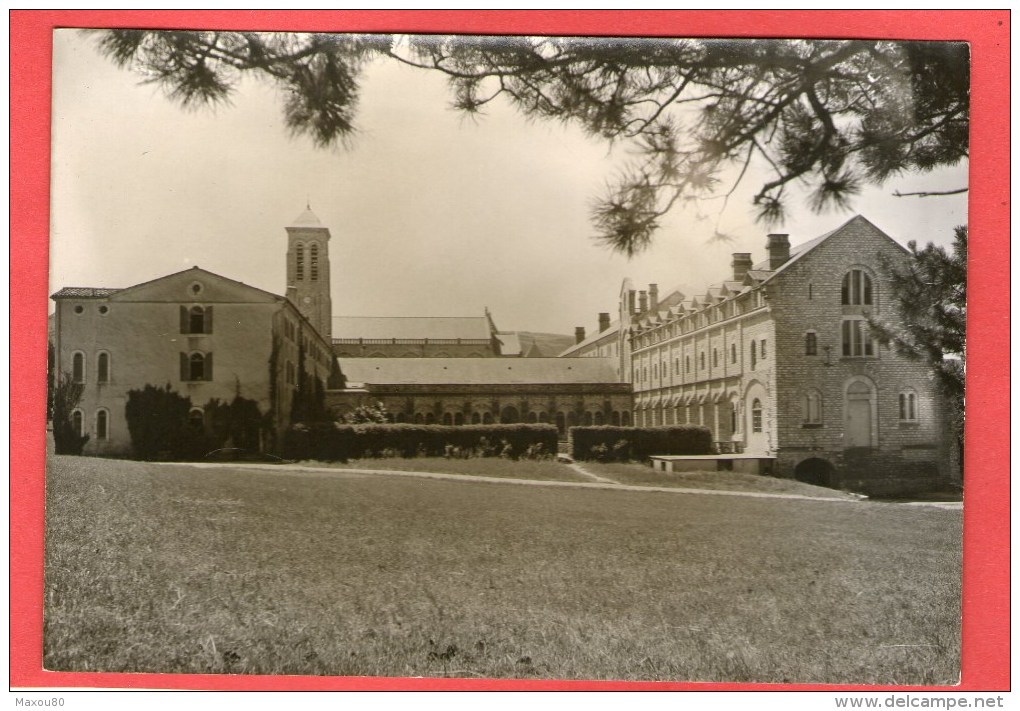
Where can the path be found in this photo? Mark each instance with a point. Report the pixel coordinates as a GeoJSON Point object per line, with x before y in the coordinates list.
{"type": "Point", "coordinates": [596, 483]}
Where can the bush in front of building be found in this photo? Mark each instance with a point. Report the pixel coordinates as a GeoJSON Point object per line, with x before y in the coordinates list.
{"type": "Point", "coordinates": [619, 444]}
{"type": "Point", "coordinates": [341, 442]}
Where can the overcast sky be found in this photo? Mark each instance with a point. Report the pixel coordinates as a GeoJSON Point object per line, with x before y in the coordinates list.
{"type": "Point", "coordinates": [430, 214]}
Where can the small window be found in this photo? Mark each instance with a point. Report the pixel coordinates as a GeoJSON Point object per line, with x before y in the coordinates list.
{"type": "Point", "coordinates": [687, 364]}
{"type": "Point", "coordinates": [810, 343]}
{"type": "Point", "coordinates": [715, 357]}
{"type": "Point", "coordinates": [756, 415]}
{"type": "Point", "coordinates": [812, 408]}
{"type": "Point", "coordinates": [196, 323]}
{"type": "Point", "coordinates": [103, 367]}
{"type": "Point", "coordinates": [810, 291]}
{"type": "Point", "coordinates": [104, 309]}
{"type": "Point", "coordinates": [733, 353]}
{"type": "Point", "coordinates": [196, 319]}
{"type": "Point", "coordinates": [102, 425]}
{"type": "Point", "coordinates": [908, 406]}
{"type": "Point", "coordinates": [78, 367]}
{"type": "Point", "coordinates": [763, 349]}
{"type": "Point", "coordinates": [701, 359]}
{"type": "Point", "coordinates": [197, 361]}
{"type": "Point", "coordinates": [754, 354]}
{"type": "Point", "coordinates": [79, 309]}
{"type": "Point", "coordinates": [196, 418]}
{"type": "Point", "coordinates": [196, 366]}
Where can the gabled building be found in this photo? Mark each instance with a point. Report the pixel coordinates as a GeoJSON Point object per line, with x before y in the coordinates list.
{"type": "Point", "coordinates": [206, 336]}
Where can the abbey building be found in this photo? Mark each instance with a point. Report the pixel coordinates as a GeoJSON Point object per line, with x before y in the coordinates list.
{"type": "Point", "coordinates": [775, 358]}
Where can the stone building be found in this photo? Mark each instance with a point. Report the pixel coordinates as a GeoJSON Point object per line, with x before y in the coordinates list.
{"type": "Point", "coordinates": [463, 391]}
{"type": "Point", "coordinates": [777, 360]}
{"type": "Point", "coordinates": [208, 337]}
{"type": "Point", "coordinates": [415, 337]}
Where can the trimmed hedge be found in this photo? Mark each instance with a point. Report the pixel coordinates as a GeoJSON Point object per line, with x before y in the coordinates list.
{"type": "Point", "coordinates": [340, 442]}
{"type": "Point", "coordinates": [607, 443]}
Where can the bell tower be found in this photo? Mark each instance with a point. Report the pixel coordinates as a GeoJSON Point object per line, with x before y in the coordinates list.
{"type": "Point", "coordinates": [308, 271]}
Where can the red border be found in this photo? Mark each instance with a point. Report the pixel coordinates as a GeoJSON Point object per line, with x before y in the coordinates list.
{"type": "Point", "coordinates": [986, 517]}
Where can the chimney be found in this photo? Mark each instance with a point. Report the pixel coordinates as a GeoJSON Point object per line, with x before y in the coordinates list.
{"type": "Point", "coordinates": [578, 334]}
{"type": "Point", "coordinates": [642, 301]}
{"type": "Point", "coordinates": [653, 297]}
{"type": "Point", "coordinates": [631, 304]}
{"type": "Point", "coordinates": [741, 265]}
{"type": "Point", "coordinates": [603, 322]}
{"type": "Point", "coordinates": [779, 250]}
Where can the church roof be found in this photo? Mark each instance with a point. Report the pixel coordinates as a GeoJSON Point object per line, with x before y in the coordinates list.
{"type": "Point", "coordinates": [306, 219]}
{"type": "Point", "coordinates": [478, 371]}
{"type": "Point", "coordinates": [412, 327]}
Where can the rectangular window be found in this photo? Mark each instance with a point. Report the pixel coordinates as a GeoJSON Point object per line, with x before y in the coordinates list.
{"type": "Point", "coordinates": [857, 341]}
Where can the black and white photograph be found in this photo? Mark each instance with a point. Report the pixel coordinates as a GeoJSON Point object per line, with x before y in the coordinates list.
{"type": "Point", "coordinates": [506, 357]}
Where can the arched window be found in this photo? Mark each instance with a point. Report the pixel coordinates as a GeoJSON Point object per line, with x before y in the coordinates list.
{"type": "Point", "coordinates": [856, 289]}
{"type": "Point", "coordinates": [458, 418]}
{"type": "Point", "coordinates": [533, 417]}
{"type": "Point", "coordinates": [430, 418]}
{"type": "Point", "coordinates": [587, 420]}
{"type": "Point", "coordinates": [447, 418]}
{"type": "Point", "coordinates": [196, 320]}
{"type": "Point", "coordinates": [313, 260]}
{"type": "Point", "coordinates": [625, 418]}
{"type": "Point", "coordinates": [102, 425]}
{"type": "Point", "coordinates": [733, 353]}
{"type": "Point", "coordinates": [810, 343]}
{"type": "Point", "coordinates": [600, 419]}
{"type": "Point", "coordinates": [78, 367]}
{"type": "Point", "coordinates": [103, 367]}
{"type": "Point", "coordinates": [812, 407]}
{"type": "Point", "coordinates": [543, 417]}
{"type": "Point", "coordinates": [763, 349]}
{"type": "Point", "coordinates": [908, 406]}
{"type": "Point", "coordinates": [487, 418]}
{"type": "Point", "coordinates": [196, 418]}
{"type": "Point", "coordinates": [476, 419]}
{"type": "Point", "coordinates": [299, 261]}
{"type": "Point", "coordinates": [78, 422]}
{"type": "Point", "coordinates": [756, 415]}
{"type": "Point", "coordinates": [197, 366]}
{"type": "Point", "coordinates": [418, 418]}
{"type": "Point", "coordinates": [614, 418]}
{"type": "Point", "coordinates": [754, 354]}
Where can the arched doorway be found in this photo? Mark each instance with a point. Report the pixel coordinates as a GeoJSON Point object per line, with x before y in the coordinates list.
{"type": "Point", "coordinates": [860, 414]}
{"type": "Point", "coordinates": [509, 415]}
{"type": "Point", "coordinates": [815, 470]}
{"type": "Point", "coordinates": [756, 419]}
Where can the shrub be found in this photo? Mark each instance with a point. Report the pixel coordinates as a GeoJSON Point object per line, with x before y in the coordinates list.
{"type": "Point", "coordinates": [340, 442]}
{"type": "Point", "coordinates": [607, 443]}
{"type": "Point", "coordinates": [66, 396]}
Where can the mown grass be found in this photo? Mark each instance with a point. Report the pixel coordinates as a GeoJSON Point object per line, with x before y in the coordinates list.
{"type": "Point", "coordinates": [644, 475]}
{"type": "Point", "coordinates": [171, 568]}
{"type": "Point", "coordinates": [538, 470]}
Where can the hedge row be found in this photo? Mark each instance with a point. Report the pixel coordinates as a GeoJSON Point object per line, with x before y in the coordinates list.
{"type": "Point", "coordinates": [607, 443]}
{"type": "Point", "coordinates": [339, 442]}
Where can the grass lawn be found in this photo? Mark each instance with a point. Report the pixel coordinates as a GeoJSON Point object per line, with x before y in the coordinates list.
{"type": "Point", "coordinates": [547, 470]}
{"type": "Point", "coordinates": [179, 569]}
{"type": "Point", "coordinates": [644, 475]}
